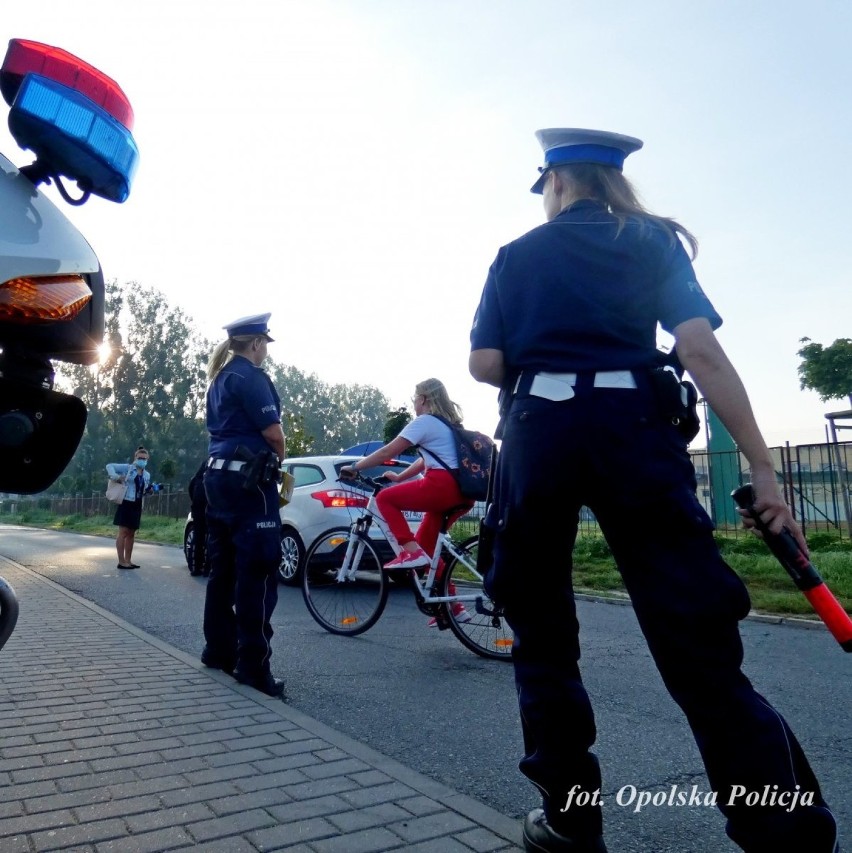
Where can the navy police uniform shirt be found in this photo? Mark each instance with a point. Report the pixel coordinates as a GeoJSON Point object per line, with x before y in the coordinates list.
{"type": "Point", "coordinates": [577, 293]}
{"type": "Point", "coordinates": [241, 402]}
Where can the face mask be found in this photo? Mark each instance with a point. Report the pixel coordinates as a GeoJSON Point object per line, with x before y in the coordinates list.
{"type": "Point", "coordinates": [141, 463]}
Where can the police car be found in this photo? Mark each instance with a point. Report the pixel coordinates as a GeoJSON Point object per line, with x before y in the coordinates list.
{"type": "Point", "coordinates": [77, 122]}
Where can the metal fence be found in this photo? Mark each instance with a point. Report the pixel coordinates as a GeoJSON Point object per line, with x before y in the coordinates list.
{"type": "Point", "coordinates": [167, 504]}
{"type": "Point", "coordinates": [815, 479]}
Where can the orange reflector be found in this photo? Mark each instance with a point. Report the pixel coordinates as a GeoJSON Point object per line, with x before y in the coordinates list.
{"type": "Point", "coordinates": [502, 643]}
{"type": "Point", "coordinates": [349, 620]}
{"type": "Point", "coordinates": [36, 300]}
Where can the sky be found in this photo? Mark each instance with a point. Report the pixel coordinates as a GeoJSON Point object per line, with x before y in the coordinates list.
{"type": "Point", "coordinates": [353, 166]}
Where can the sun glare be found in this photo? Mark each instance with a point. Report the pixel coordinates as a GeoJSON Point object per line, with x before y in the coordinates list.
{"type": "Point", "coordinates": [104, 351]}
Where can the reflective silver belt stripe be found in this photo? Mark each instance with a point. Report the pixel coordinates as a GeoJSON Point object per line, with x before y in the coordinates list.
{"type": "Point", "coordinates": [226, 464]}
{"type": "Point", "coordinates": [548, 390]}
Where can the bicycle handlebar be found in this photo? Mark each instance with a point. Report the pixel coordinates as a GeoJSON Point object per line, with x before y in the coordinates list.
{"type": "Point", "coordinates": [376, 483]}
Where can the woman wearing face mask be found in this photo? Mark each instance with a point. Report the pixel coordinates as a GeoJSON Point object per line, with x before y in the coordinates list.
{"type": "Point", "coordinates": [128, 515]}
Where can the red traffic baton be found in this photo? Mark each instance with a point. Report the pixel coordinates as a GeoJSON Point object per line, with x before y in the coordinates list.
{"type": "Point", "coordinates": [786, 550]}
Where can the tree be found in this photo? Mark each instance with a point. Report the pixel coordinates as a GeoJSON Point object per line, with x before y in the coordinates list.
{"type": "Point", "coordinates": [299, 443]}
{"type": "Point", "coordinates": [148, 390]}
{"type": "Point", "coordinates": [827, 370]}
{"type": "Point", "coordinates": [334, 416]}
{"type": "Point", "coordinates": [394, 423]}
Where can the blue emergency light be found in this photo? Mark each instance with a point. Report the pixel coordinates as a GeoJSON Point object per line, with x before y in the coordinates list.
{"type": "Point", "coordinates": [72, 136]}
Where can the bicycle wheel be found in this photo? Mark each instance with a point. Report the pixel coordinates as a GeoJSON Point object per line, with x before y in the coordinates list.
{"type": "Point", "coordinates": [479, 625]}
{"type": "Point", "coordinates": [344, 602]}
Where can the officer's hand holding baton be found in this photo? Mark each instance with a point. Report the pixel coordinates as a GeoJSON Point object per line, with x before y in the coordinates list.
{"type": "Point", "coordinates": [786, 549]}
{"type": "Point", "coordinates": [769, 512]}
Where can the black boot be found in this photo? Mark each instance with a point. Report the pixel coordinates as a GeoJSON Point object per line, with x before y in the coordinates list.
{"type": "Point", "coordinates": [539, 837]}
{"type": "Point", "coordinates": [263, 681]}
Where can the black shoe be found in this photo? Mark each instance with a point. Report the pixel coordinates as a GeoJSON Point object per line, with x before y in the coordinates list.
{"type": "Point", "coordinates": [215, 662]}
{"type": "Point", "coordinates": [131, 566]}
{"type": "Point", "coordinates": [264, 682]}
{"type": "Point", "coordinates": [540, 838]}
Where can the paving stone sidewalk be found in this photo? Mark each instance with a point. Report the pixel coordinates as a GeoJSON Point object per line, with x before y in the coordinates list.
{"type": "Point", "coordinates": [112, 741]}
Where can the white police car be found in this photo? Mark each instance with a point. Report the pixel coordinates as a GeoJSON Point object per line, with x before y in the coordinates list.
{"type": "Point", "coordinates": [76, 121]}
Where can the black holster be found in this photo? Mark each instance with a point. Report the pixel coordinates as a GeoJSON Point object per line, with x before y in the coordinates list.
{"type": "Point", "coordinates": [260, 469]}
{"type": "Point", "coordinates": [677, 401]}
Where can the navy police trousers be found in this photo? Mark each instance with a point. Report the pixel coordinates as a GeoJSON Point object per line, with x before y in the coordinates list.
{"type": "Point", "coordinates": [244, 550]}
{"type": "Point", "coordinates": [609, 450]}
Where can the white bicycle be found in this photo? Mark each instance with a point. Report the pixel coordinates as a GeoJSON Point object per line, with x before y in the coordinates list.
{"type": "Point", "coordinates": [346, 590]}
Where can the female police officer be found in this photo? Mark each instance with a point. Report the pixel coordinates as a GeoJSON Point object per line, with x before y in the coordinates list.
{"type": "Point", "coordinates": [566, 326]}
{"type": "Point", "coordinates": [244, 527]}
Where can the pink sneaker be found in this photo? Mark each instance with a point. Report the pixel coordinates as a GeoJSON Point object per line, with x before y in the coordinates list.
{"type": "Point", "coordinates": [460, 614]}
{"type": "Point", "coordinates": [409, 560]}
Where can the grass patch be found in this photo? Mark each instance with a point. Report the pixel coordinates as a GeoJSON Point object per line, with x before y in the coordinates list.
{"type": "Point", "coordinates": [154, 528]}
{"type": "Point", "coordinates": [770, 587]}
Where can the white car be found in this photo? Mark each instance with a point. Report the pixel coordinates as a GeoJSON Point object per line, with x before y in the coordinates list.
{"type": "Point", "coordinates": [320, 503]}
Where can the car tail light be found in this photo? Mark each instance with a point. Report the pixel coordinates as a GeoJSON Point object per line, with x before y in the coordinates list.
{"type": "Point", "coordinates": [337, 499]}
{"type": "Point", "coordinates": [36, 299]}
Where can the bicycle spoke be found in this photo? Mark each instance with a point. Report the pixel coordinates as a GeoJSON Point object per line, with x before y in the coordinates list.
{"type": "Point", "coordinates": [346, 602]}
{"type": "Point", "coordinates": [478, 624]}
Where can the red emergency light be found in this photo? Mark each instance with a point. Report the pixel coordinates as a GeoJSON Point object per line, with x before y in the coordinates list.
{"type": "Point", "coordinates": [74, 118]}
{"type": "Point", "coordinates": [31, 57]}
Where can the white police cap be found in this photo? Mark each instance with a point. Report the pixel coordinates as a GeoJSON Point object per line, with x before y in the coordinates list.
{"type": "Point", "coordinates": [564, 145]}
{"type": "Point", "coordinates": [254, 325]}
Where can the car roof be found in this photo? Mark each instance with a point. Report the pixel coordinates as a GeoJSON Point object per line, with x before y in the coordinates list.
{"type": "Point", "coordinates": [319, 459]}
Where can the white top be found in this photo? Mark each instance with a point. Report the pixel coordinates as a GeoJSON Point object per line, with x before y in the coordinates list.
{"type": "Point", "coordinates": [436, 437]}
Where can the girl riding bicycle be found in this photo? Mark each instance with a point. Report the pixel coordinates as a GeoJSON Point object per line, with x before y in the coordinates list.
{"type": "Point", "coordinates": [436, 492]}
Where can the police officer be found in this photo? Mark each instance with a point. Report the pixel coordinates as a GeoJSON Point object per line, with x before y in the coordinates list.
{"type": "Point", "coordinates": [566, 327]}
{"type": "Point", "coordinates": [244, 527]}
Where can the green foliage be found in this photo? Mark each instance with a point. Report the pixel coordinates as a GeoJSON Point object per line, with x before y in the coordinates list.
{"type": "Point", "coordinates": [827, 370]}
{"type": "Point", "coordinates": [395, 421]}
{"type": "Point", "coordinates": [332, 417]}
{"type": "Point", "coordinates": [591, 548]}
{"type": "Point", "coordinates": [151, 390]}
{"type": "Point", "coordinates": [299, 443]}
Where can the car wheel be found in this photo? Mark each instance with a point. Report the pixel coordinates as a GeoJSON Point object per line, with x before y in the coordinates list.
{"type": "Point", "coordinates": [188, 541]}
{"type": "Point", "coordinates": [292, 558]}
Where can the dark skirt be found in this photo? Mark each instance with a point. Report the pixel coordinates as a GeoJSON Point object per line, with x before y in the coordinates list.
{"type": "Point", "coordinates": [129, 514]}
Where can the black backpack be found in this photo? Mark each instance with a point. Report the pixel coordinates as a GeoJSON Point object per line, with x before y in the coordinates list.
{"type": "Point", "coordinates": [474, 450]}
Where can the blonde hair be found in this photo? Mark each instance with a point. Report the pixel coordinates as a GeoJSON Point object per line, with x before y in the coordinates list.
{"type": "Point", "coordinates": [438, 400]}
{"type": "Point", "coordinates": [609, 186]}
{"type": "Point", "coordinates": [225, 351]}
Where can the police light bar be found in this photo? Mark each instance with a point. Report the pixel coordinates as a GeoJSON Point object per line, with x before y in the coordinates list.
{"type": "Point", "coordinates": [31, 57]}
{"type": "Point", "coordinates": [72, 136]}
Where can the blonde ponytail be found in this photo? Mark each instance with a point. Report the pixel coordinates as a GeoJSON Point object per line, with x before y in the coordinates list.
{"type": "Point", "coordinates": [218, 359]}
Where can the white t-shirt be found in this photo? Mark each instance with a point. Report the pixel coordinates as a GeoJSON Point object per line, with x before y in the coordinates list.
{"type": "Point", "coordinates": [435, 436]}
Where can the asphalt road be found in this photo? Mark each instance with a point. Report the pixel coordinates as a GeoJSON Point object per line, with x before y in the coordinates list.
{"type": "Point", "coordinates": [417, 695]}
